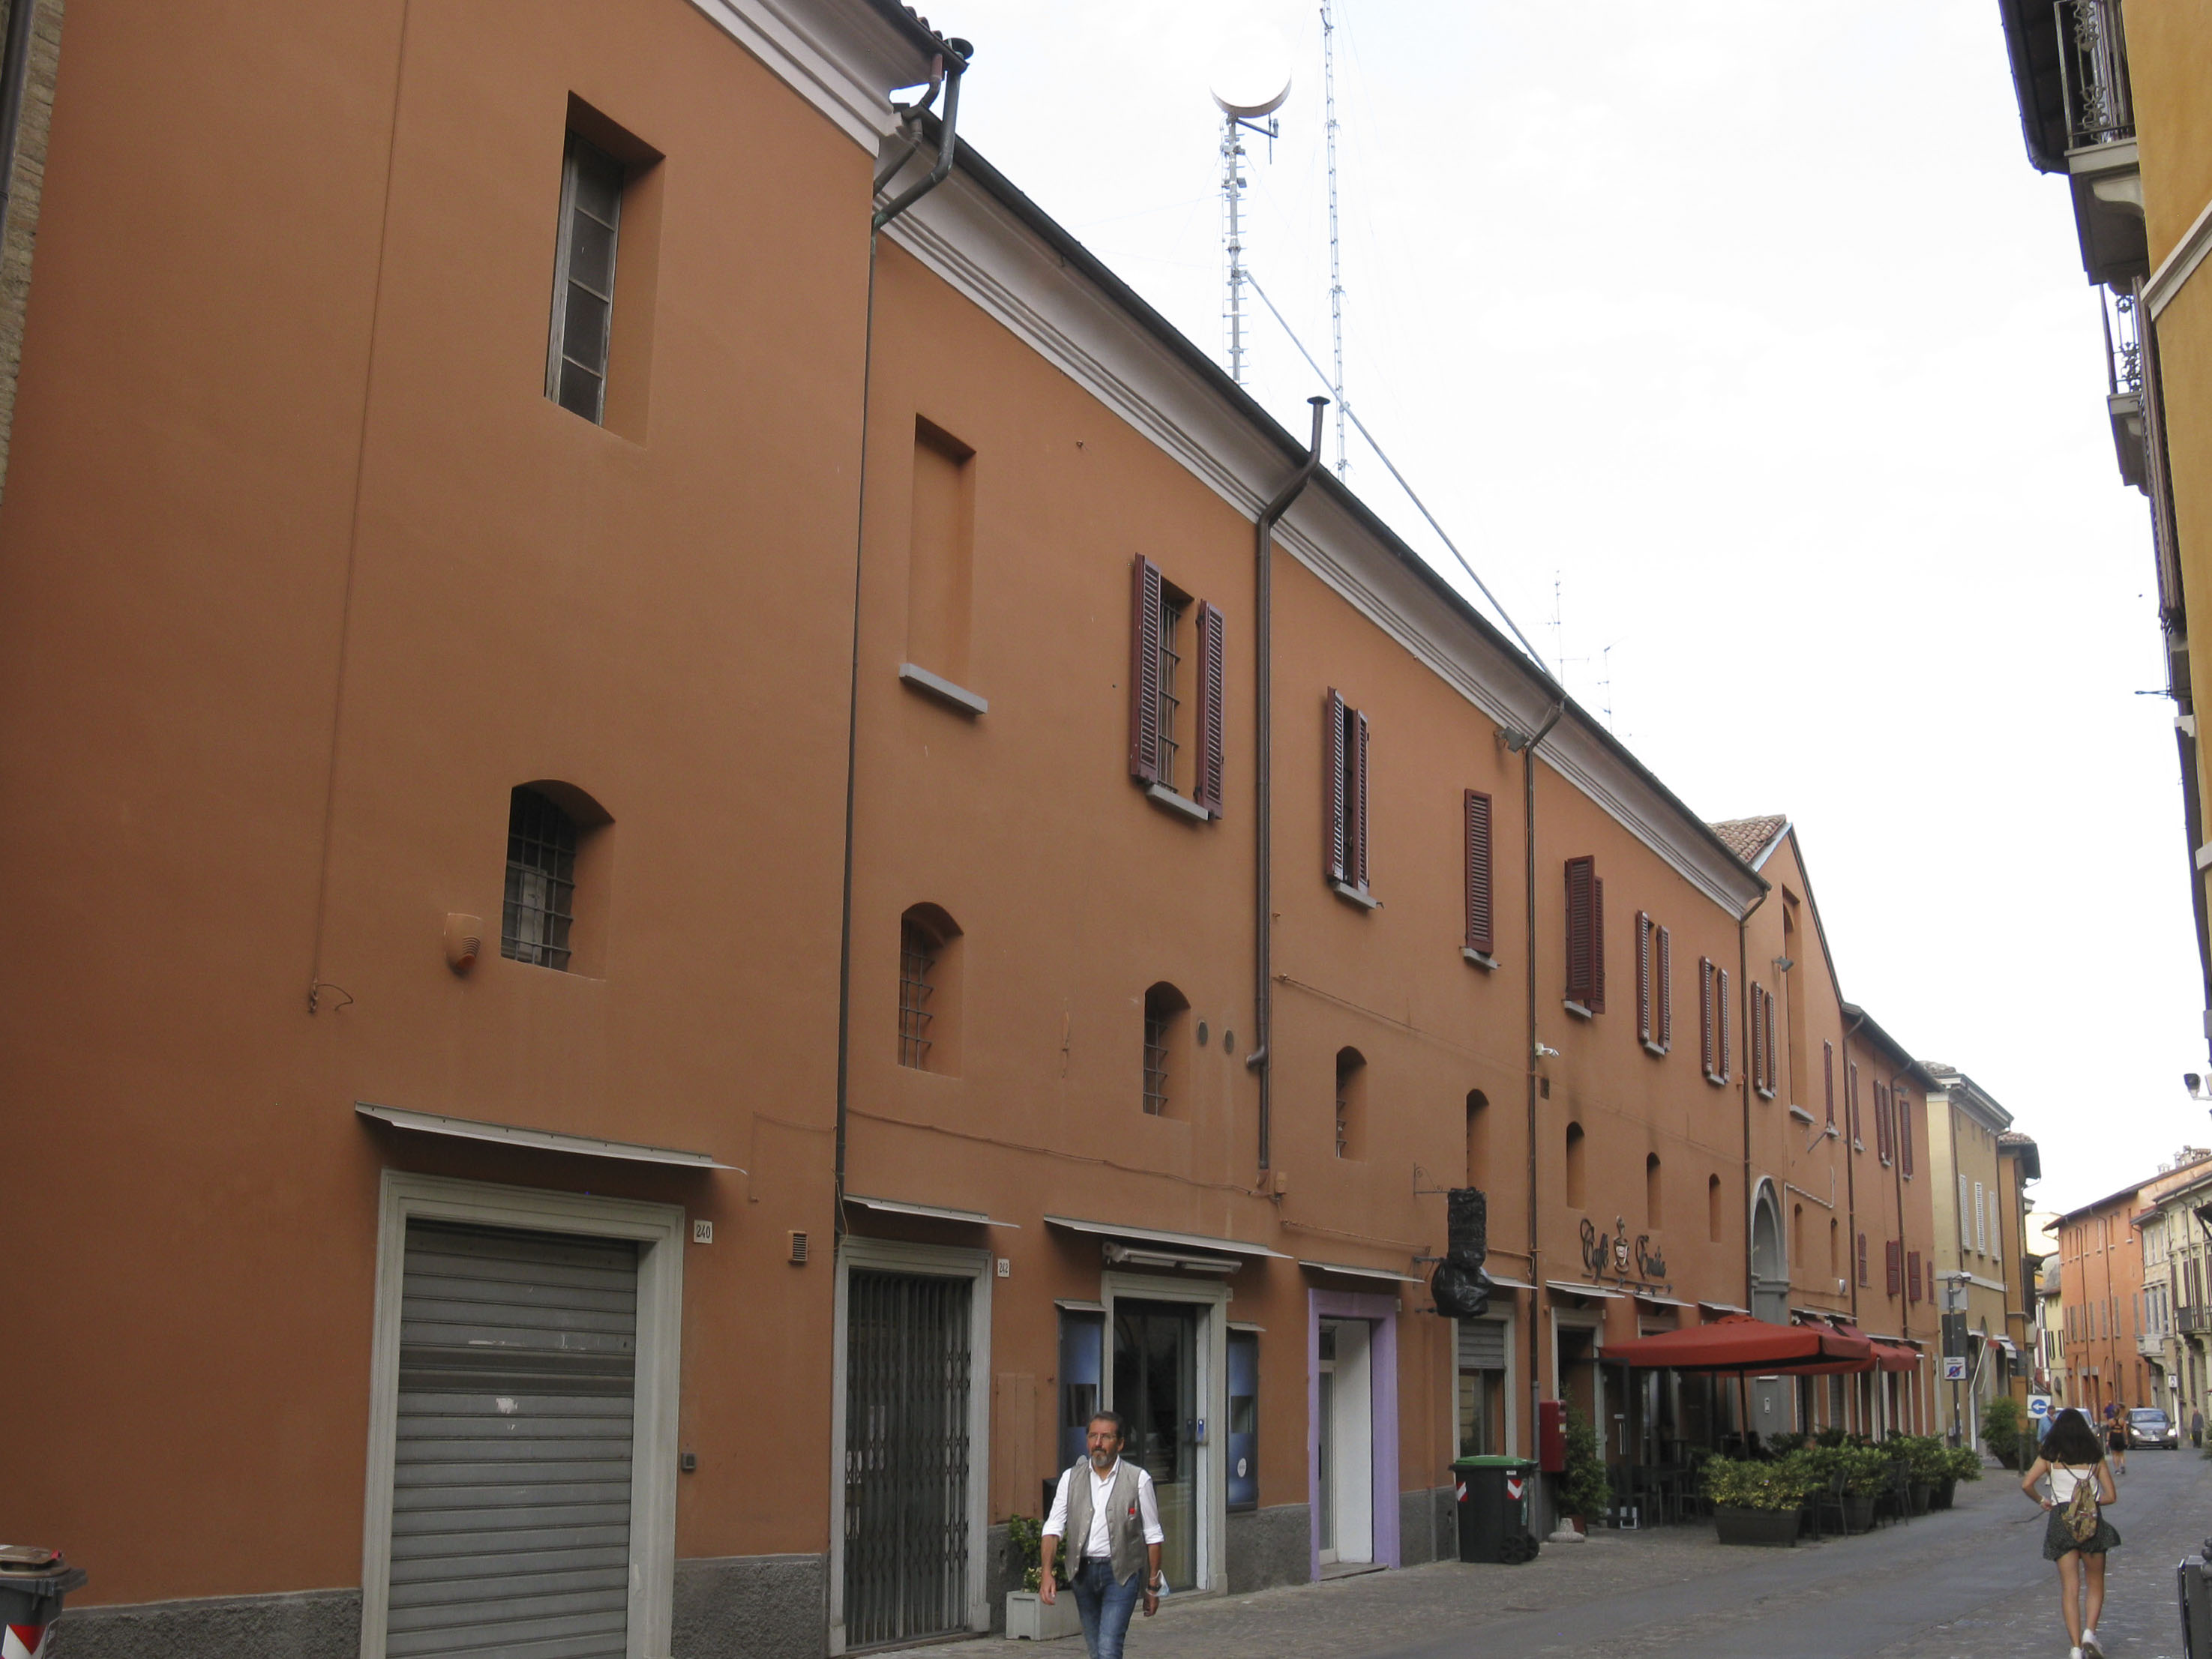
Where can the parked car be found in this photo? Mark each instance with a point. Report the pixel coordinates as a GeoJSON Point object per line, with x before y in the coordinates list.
{"type": "Point", "coordinates": [2149, 1426]}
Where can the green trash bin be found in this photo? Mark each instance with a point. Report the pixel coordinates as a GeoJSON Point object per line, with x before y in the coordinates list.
{"type": "Point", "coordinates": [1496, 1498]}
{"type": "Point", "coordinates": [32, 1583]}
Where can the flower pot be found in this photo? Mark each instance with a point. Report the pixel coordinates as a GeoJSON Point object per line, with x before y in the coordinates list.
{"type": "Point", "coordinates": [1770, 1527]}
{"type": "Point", "coordinates": [1917, 1494]}
{"type": "Point", "coordinates": [1029, 1619]}
{"type": "Point", "coordinates": [1940, 1494]}
{"type": "Point", "coordinates": [1580, 1523]}
{"type": "Point", "coordinates": [1858, 1512]}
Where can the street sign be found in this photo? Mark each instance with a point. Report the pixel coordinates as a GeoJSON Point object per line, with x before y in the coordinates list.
{"type": "Point", "coordinates": [1955, 1368]}
{"type": "Point", "coordinates": [2038, 1405]}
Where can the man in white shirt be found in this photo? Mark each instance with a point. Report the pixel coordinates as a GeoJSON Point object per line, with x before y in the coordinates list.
{"type": "Point", "coordinates": [1116, 1555]}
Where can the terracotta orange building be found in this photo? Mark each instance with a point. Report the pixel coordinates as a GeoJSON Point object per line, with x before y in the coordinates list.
{"type": "Point", "coordinates": [717, 883]}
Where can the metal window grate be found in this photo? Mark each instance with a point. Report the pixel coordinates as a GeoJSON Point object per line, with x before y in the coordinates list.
{"type": "Point", "coordinates": [1156, 1060]}
{"type": "Point", "coordinates": [918, 951]}
{"type": "Point", "coordinates": [906, 1457]}
{"type": "Point", "coordinates": [584, 280]}
{"type": "Point", "coordinates": [1171, 610]}
{"type": "Point", "coordinates": [541, 881]}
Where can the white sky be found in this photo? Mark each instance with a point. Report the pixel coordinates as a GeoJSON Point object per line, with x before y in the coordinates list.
{"type": "Point", "coordinates": [1749, 325]}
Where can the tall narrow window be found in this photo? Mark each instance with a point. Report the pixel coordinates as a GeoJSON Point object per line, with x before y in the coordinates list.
{"type": "Point", "coordinates": [1714, 1209]}
{"type": "Point", "coordinates": [1852, 1099]}
{"type": "Point", "coordinates": [1708, 1032]}
{"type": "Point", "coordinates": [1881, 1122]}
{"type": "Point", "coordinates": [1478, 1139]}
{"type": "Point", "coordinates": [941, 554]}
{"type": "Point", "coordinates": [1913, 1275]}
{"type": "Point", "coordinates": [1481, 917]}
{"type": "Point", "coordinates": [1164, 1007]}
{"type": "Point", "coordinates": [1654, 1196]}
{"type": "Point", "coordinates": [1864, 1281]}
{"type": "Point", "coordinates": [1755, 1034]}
{"type": "Point", "coordinates": [1574, 1170]}
{"type": "Point", "coordinates": [929, 990]}
{"type": "Point", "coordinates": [1904, 1132]}
{"type": "Point", "coordinates": [1646, 1022]}
{"type": "Point", "coordinates": [1350, 1102]}
{"type": "Point", "coordinates": [1892, 1254]}
{"type": "Point", "coordinates": [1666, 993]}
{"type": "Point", "coordinates": [1835, 1237]}
{"type": "Point", "coordinates": [1773, 1061]}
{"type": "Point", "coordinates": [1981, 1227]}
{"type": "Point", "coordinates": [1828, 1079]}
{"type": "Point", "coordinates": [584, 279]}
{"type": "Point", "coordinates": [1585, 937]}
{"type": "Point", "coordinates": [1178, 679]}
{"type": "Point", "coordinates": [541, 881]}
{"type": "Point", "coordinates": [1344, 802]}
{"type": "Point", "coordinates": [1728, 1024]}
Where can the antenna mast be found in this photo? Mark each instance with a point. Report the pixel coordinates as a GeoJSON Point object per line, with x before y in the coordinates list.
{"type": "Point", "coordinates": [1336, 268]}
{"type": "Point", "coordinates": [1233, 201]}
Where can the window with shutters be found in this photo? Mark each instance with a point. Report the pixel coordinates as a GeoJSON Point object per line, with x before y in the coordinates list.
{"type": "Point", "coordinates": [1893, 1266]}
{"type": "Point", "coordinates": [1666, 990]}
{"type": "Point", "coordinates": [1773, 1052]}
{"type": "Point", "coordinates": [1351, 1102]}
{"type": "Point", "coordinates": [929, 991]}
{"type": "Point", "coordinates": [1721, 1001]}
{"type": "Point", "coordinates": [1882, 1125]}
{"type": "Point", "coordinates": [1761, 1019]}
{"type": "Point", "coordinates": [1709, 1031]}
{"type": "Point", "coordinates": [1344, 798]}
{"type": "Point", "coordinates": [1655, 986]}
{"type": "Point", "coordinates": [1912, 1276]}
{"type": "Point", "coordinates": [1178, 691]}
{"type": "Point", "coordinates": [1981, 1231]}
{"type": "Point", "coordinates": [1481, 946]}
{"type": "Point", "coordinates": [1828, 1081]}
{"type": "Point", "coordinates": [1903, 1101]}
{"type": "Point", "coordinates": [1852, 1102]}
{"type": "Point", "coordinates": [1585, 937]}
{"type": "Point", "coordinates": [1166, 1010]}
{"type": "Point", "coordinates": [1863, 1280]}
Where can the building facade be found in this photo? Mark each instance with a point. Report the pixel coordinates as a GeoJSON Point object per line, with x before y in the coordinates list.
{"type": "Point", "coordinates": [767, 894]}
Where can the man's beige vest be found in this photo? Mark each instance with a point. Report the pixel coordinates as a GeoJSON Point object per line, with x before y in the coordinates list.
{"type": "Point", "coordinates": [1125, 1524]}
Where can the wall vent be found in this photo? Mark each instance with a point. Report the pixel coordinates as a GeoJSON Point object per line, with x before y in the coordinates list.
{"type": "Point", "coordinates": [797, 1249]}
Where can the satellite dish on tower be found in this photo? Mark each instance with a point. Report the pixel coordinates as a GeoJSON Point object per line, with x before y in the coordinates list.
{"type": "Point", "coordinates": [1251, 74]}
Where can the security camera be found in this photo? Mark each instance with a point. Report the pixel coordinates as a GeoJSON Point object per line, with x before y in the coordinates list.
{"type": "Point", "coordinates": [1544, 1051]}
{"type": "Point", "coordinates": [2195, 1084]}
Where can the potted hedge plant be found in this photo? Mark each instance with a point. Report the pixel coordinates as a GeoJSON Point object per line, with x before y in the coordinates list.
{"type": "Point", "coordinates": [1757, 1502]}
{"type": "Point", "coordinates": [1963, 1463]}
{"type": "Point", "coordinates": [1028, 1615]}
{"type": "Point", "coordinates": [1865, 1470]}
{"type": "Point", "coordinates": [1929, 1465]}
{"type": "Point", "coordinates": [1585, 1489]}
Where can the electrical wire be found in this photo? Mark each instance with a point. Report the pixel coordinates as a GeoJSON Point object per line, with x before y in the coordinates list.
{"type": "Point", "coordinates": [1381, 455]}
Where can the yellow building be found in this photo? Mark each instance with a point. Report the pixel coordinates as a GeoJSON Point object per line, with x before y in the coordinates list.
{"type": "Point", "coordinates": [2111, 98]}
{"type": "Point", "coordinates": [1978, 1163]}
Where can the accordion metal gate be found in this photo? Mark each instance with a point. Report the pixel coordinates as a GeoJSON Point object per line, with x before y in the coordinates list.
{"type": "Point", "coordinates": [906, 1388]}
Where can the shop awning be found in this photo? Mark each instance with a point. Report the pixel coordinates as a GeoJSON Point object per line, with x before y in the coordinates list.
{"type": "Point", "coordinates": [1723, 1308]}
{"type": "Point", "coordinates": [1170, 1240]}
{"type": "Point", "coordinates": [1663, 1301]}
{"type": "Point", "coordinates": [2004, 1342]}
{"type": "Point", "coordinates": [1741, 1343]}
{"type": "Point", "coordinates": [1357, 1272]}
{"type": "Point", "coordinates": [1504, 1283]}
{"type": "Point", "coordinates": [543, 1141]}
{"type": "Point", "coordinates": [931, 1211]}
{"type": "Point", "coordinates": [1569, 1287]}
{"type": "Point", "coordinates": [1895, 1355]}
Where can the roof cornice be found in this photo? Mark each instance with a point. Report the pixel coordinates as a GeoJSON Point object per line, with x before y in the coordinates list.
{"type": "Point", "coordinates": [843, 57]}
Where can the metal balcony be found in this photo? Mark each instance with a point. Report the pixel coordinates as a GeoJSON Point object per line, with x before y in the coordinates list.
{"type": "Point", "coordinates": [2193, 1322]}
{"type": "Point", "coordinates": [2069, 63]}
{"type": "Point", "coordinates": [2124, 377]}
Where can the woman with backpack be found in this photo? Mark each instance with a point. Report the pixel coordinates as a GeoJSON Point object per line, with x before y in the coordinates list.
{"type": "Point", "coordinates": [2077, 1536]}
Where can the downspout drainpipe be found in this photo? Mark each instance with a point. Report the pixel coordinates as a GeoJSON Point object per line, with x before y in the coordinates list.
{"type": "Point", "coordinates": [1261, 1060]}
{"type": "Point", "coordinates": [1750, 1226]}
{"type": "Point", "coordinates": [947, 137]}
{"type": "Point", "coordinates": [14, 74]}
{"type": "Point", "coordinates": [1537, 1349]}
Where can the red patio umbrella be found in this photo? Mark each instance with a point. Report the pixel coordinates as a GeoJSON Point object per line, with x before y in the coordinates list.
{"type": "Point", "coordinates": [1748, 1346]}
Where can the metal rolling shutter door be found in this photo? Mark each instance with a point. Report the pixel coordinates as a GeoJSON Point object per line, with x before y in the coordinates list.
{"type": "Point", "coordinates": [511, 1491]}
{"type": "Point", "coordinates": [1482, 1345]}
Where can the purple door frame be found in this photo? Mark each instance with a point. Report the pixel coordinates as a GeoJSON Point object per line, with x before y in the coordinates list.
{"type": "Point", "coordinates": [1381, 1313]}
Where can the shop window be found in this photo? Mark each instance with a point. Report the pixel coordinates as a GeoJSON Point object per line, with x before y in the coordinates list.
{"type": "Point", "coordinates": [1243, 1419]}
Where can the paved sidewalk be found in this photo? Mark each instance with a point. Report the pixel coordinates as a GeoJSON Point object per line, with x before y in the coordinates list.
{"type": "Point", "coordinates": [1968, 1584]}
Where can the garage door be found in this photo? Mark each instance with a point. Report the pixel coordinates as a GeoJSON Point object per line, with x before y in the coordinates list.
{"type": "Point", "coordinates": [511, 1489]}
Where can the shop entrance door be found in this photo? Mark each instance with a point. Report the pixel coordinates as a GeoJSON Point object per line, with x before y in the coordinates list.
{"type": "Point", "coordinates": [1155, 1389]}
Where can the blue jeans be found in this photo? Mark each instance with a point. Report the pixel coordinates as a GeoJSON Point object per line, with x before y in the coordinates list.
{"type": "Point", "coordinates": [1105, 1606]}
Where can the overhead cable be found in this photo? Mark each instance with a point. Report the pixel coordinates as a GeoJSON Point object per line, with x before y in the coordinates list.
{"type": "Point", "coordinates": [1503, 615]}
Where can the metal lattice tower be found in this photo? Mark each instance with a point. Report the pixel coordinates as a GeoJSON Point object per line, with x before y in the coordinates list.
{"type": "Point", "coordinates": [1232, 203]}
{"type": "Point", "coordinates": [1335, 266]}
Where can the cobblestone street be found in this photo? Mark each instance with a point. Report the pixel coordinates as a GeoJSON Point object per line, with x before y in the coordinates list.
{"type": "Point", "coordinates": [1969, 1584]}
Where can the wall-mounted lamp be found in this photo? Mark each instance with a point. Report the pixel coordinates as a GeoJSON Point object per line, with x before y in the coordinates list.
{"type": "Point", "coordinates": [1546, 1052]}
{"type": "Point", "coordinates": [2196, 1085]}
{"type": "Point", "coordinates": [1784, 965]}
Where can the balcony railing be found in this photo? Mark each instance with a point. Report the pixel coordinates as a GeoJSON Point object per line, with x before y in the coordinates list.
{"type": "Point", "coordinates": [2093, 66]}
{"type": "Point", "coordinates": [2192, 1321]}
{"type": "Point", "coordinates": [2123, 366]}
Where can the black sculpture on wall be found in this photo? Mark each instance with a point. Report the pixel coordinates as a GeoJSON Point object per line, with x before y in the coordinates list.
{"type": "Point", "coordinates": [1459, 1284]}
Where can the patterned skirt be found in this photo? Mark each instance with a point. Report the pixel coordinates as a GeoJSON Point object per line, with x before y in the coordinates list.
{"type": "Point", "coordinates": [2058, 1541]}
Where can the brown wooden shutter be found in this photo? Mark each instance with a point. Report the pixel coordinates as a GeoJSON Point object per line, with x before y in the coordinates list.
{"type": "Point", "coordinates": [1213, 707]}
{"type": "Point", "coordinates": [1707, 1050]}
{"type": "Point", "coordinates": [1643, 978]}
{"type": "Point", "coordinates": [1851, 1097]}
{"type": "Point", "coordinates": [1334, 804]}
{"type": "Point", "coordinates": [1828, 1078]}
{"type": "Point", "coordinates": [1144, 671]}
{"type": "Point", "coordinates": [1728, 1026]}
{"type": "Point", "coordinates": [1481, 916]}
{"type": "Point", "coordinates": [1359, 736]}
{"type": "Point", "coordinates": [1751, 1035]}
{"type": "Point", "coordinates": [1666, 991]}
{"type": "Point", "coordinates": [1597, 947]}
{"type": "Point", "coordinates": [1905, 1132]}
{"type": "Point", "coordinates": [1893, 1264]}
{"type": "Point", "coordinates": [1863, 1280]}
{"type": "Point", "coordinates": [1582, 897]}
{"type": "Point", "coordinates": [1912, 1276]}
{"type": "Point", "coordinates": [1773, 1061]}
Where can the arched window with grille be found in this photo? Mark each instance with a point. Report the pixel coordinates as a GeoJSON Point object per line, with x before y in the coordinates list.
{"type": "Point", "coordinates": [539, 911]}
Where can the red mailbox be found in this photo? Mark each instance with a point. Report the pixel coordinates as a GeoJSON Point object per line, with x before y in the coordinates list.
{"type": "Point", "coordinates": [1552, 1436]}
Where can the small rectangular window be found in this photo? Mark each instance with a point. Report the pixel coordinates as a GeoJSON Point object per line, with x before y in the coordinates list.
{"type": "Point", "coordinates": [1481, 919]}
{"type": "Point", "coordinates": [584, 280]}
{"type": "Point", "coordinates": [1585, 935]}
{"type": "Point", "coordinates": [1643, 1010]}
{"type": "Point", "coordinates": [541, 881]}
{"type": "Point", "coordinates": [1177, 700]}
{"type": "Point", "coordinates": [1344, 739]}
{"type": "Point", "coordinates": [1666, 993]}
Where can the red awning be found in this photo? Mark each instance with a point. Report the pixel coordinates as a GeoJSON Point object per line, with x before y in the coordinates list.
{"type": "Point", "coordinates": [1741, 1343]}
{"type": "Point", "coordinates": [1896, 1357]}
